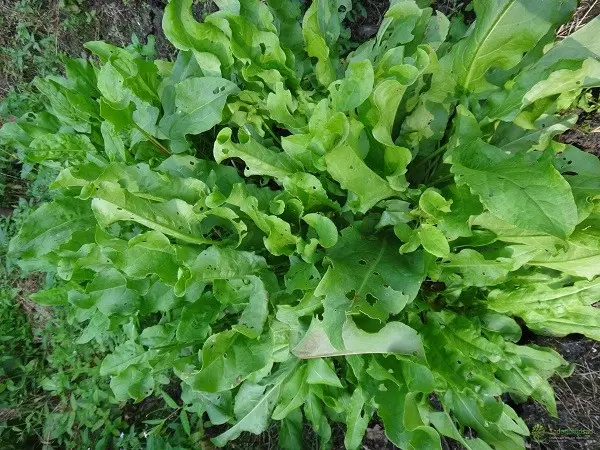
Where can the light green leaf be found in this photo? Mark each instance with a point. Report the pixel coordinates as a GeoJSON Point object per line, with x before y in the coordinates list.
{"type": "Point", "coordinates": [123, 356]}
{"type": "Point", "coordinates": [476, 270]}
{"type": "Point", "coordinates": [174, 218]}
{"type": "Point", "coordinates": [293, 394]}
{"type": "Point", "coordinates": [59, 147]}
{"type": "Point", "coordinates": [97, 325]}
{"type": "Point", "coordinates": [325, 228]}
{"type": "Point", "coordinates": [108, 291]}
{"type": "Point", "coordinates": [363, 268]}
{"type": "Point", "coordinates": [351, 91]}
{"type": "Point", "coordinates": [279, 239]}
{"type": "Point", "coordinates": [509, 185]}
{"type": "Point", "coordinates": [46, 229]}
{"type": "Point", "coordinates": [254, 316]}
{"type": "Point", "coordinates": [199, 103]}
{"type": "Point", "coordinates": [321, 29]}
{"type": "Point", "coordinates": [185, 33]}
{"type": "Point", "coordinates": [259, 160]}
{"type": "Point", "coordinates": [319, 371]}
{"type": "Point", "coordinates": [196, 319]}
{"type": "Point", "coordinates": [290, 433]}
{"type": "Point", "coordinates": [309, 190]}
{"type": "Point", "coordinates": [113, 144]}
{"type": "Point", "coordinates": [347, 168]}
{"type": "Point", "coordinates": [228, 358]}
{"type": "Point", "coordinates": [553, 311]}
{"type": "Point", "coordinates": [357, 419]}
{"type": "Point", "coordinates": [569, 52]}
{"type": "Point", "coordinates": [148, 253]}
{"type": "Point", "coordinates": [253, 406]}
{"type": "Point", "coordinates": [565, 80]}
{"type": "Point", "coordinates": [505, 29]}
{"type": "Point", "coordinates": [434, 241]}
{"type": "Point", "coordinates": [580, 258]}
{"type": "Point", "coordinates": [395, 337]}
{"type": "Point", "coordinates": [132, 383]}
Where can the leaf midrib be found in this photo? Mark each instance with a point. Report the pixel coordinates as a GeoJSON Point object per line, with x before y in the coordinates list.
{"type": "Point", "coordinates": [485, 37]}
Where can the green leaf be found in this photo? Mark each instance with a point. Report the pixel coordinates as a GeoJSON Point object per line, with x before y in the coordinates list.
{"type": "Point", "coordinates": [509, 185]}
{"type": "Point", "coordinates": [279, 239]}
{"type": "Point", "coordinates": [395, 337]}
{"type": "Point", "coordinates": [97, 325]}
{"type": "Point", "coordinates": [355, 88]}
{"type": "Point", "coordinates": [185, 422]}
{"type": "Point", "coordinates": [253, 406]}
{"type": "Point", "coordinates": [46, 229]}
{"type": "Point", "coordinates": [357, 419]}
{"type": "Point", "coordinates": [425, 437]}
{"type": "Point", "coordinates": [579, 258]}
{"type": "Point", "coordinates": [290, 433]}
{"type": "Point", "coordinates": [132, 383]}
{"type": "Point", "coordinates": [293, 394]}
{"type": "Point", "coordinates": [174, 218]}
{"type": "Point", "coordinates": [505, 29]}
{"type": "Point", "coordinates": [254, 316]}
{"type": "Point", "coordinates": [59, 147]}
{"type": "Point", "coordinates": [309, 190]}
{"type": "Point", "coordinates": [113, 144]}
{"type": "Point", "coordinates": [434, 241]}
{"type": "Point", "coordinates": [184, 33]}
{"type": "Point", "coordinates": [228, 358]}
{"type": "Point", "coordinates": [146, 254]}
{"type": "Point", "coordinates": [319, 371]}
{"type": "Point", "coordinates": [476, 270]}
{"type": "Point", "coordinates": [569, 52]}
{"type": "Point", "coordinates": [108, 291]}
{"type": "Point", "coordinates": [554, 311]}
{"type": "Point", "coordinates": [366, 268]}
{"type": "Point", "coordinates": [565, 80]}
{"type": "Point", "coordinates": [259, 160]}
{"type": "Point", "coordinates": [365, 186]}
{"type": "Point", "coordinates": [123, 356]}
{"type": "Point", "coordinates": [199, 103]}
{"type": "Point", "coordinates": [325, 228]}
{"type": "Point", "coordinates": [195, 321]}
{"type": "Point", "coordinates": [321, 29]}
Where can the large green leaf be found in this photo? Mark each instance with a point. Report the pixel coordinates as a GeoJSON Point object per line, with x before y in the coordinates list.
{"type": "Point", "coordinates": [228, 358]}
{"type": "Point", "coordinates": [553, 311]}
{"type": "Point", "coordinates": [523, 190]}
{"type": "Point", "coordinates": [253, 406]}
{"type": "Point", "coordinates": [47, 229]}
{"type": "Point", "coordinates": [504, 30]}
{"type": "Point", "coordinates": [259, 159]}
{"type": "Point", "coordinates": [365, 187]}
{"type": "Point", "coordinates": [199, 103]}
{"type": "Point", "coordinates": [395, 337]}
{"type": "Point", "coordinates": [185, 33]}
{"type": "Point", "coordinates": [568, 53]}
{"type": "Point", "coordinates": [174, 218]}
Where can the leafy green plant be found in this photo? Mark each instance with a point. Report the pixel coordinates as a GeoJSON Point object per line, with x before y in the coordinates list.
{"type": "Point", "coordinates": [303, 235]}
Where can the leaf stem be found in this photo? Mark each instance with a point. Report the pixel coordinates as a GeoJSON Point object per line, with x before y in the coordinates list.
{"type": "Point", "coordinates": [432, 155]}
{"type": "Point", "coordinates": [273, 135]}
{"type": "Point", "coordinates": [154, 142]}
{"type": "Point", "coordinates": [443, 179]}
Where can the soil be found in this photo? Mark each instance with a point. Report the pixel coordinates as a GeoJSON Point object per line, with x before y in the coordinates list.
{"type": "Point", "coordinates": [577, 398]}
{"type": "Point", "coordinates": [586, 134]}
{"type": "Point", "coordinates": [366, 26]}
{"type": "Point", "coordinates": [37, 315]}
